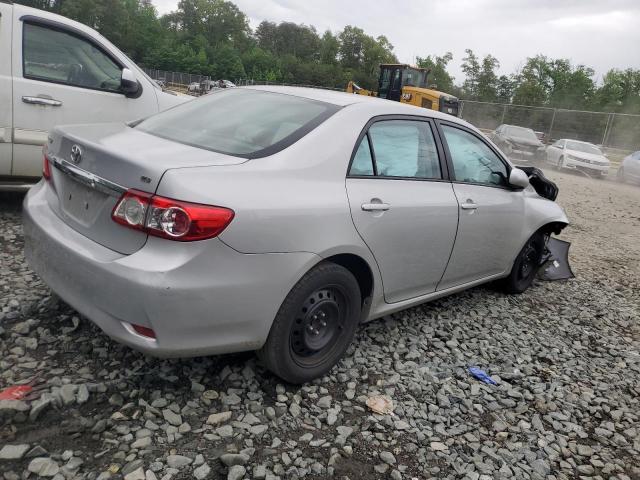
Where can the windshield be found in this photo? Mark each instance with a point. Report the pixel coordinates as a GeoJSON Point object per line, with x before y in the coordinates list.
{"type": "Point", "coordinates": [241, 122]}
{"type": "Point", "coordinates": [521, 132]}
{"type": "Point", "coordinates": [414, 78]}
{"type": "Point", "coordinates": [583, 147]}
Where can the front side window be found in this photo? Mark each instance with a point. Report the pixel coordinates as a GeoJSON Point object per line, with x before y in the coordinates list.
{"type": "Point", "coordinates": [57, 56]}
{"type": "Point", "coordinates": [240, 121]}
{"type": "Point", "coordinates": [473, 160]}
{"type": "Point", "coordinates": [401, 148]}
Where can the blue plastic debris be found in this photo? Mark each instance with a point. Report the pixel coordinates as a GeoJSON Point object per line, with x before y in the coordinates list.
{"type": "Point", "coordinates": [481, 375]}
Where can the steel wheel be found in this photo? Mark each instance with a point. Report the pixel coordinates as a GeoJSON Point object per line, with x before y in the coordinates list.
{"type": "Point", "coordinates": [320, 320]}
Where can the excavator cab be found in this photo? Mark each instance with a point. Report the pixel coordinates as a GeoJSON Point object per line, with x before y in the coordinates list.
{"type": "Point", "coordinates": [393, 77]}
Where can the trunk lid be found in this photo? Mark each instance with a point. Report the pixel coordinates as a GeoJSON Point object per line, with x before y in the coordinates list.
{"type": "Point", "coordinates": [92, 165]}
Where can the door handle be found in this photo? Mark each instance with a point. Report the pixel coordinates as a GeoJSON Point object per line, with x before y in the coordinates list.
{"type": "Point", "coordinates": [50, 102]}
{"type": "Point", "coordinates": [469, 205]}
{"type": "Point", "coordinates": [375, 207]}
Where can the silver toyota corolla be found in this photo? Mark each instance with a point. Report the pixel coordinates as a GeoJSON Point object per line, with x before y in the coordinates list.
{"type": "Point", "coordinates": [277, 219]}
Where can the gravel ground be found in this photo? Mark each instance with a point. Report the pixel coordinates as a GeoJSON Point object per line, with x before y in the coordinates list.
{"type": "Point", "coordinates": [564, 356]}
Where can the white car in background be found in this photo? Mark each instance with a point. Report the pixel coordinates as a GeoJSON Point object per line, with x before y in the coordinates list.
{"type": "Point", "coordinates": [577, 155]}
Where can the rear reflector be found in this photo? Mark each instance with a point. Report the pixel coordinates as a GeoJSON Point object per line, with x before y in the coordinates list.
{"type": "Point", "coordinates": [144, 331]}
{"type": "Point", "coordinates": [46, 167]}
{"type": "Point", "coordinates": [171, 219]}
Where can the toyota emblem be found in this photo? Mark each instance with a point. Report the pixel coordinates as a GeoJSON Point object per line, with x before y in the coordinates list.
{"type": "Point", "coordinates": [76, 154]}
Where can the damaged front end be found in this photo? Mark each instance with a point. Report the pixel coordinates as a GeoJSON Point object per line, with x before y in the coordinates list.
{"type": "Point", "coordinates": [541, 184]}
{"type": "Point", "coordinates": [554, 264]}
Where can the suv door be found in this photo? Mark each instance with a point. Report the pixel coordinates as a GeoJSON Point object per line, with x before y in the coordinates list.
{"type": "Point", "coordinates": [402, 205]}
{"type": "Point", "coordinates": [62, 75]}
{"type": "Point", "coordinates": [491, 212]}
{"type": "Point", "coordinates": [6, 108]}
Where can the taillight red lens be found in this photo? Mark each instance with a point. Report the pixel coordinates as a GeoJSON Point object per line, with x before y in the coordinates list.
{"type": "Point", "coordinates": [144, 331]}
{"type": "Point", "coordinates": [168, 218]}
{"type": "Point", "coordinates": [46, 167]}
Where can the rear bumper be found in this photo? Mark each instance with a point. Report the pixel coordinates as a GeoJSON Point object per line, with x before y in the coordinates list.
{"type": "Point", "coordinates": [200, 298]}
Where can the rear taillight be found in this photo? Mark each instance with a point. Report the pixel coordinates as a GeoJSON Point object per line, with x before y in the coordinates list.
{"type": "Point", "coordinates": [46, 167]}
{"type": "Point", "coordinates": [168, 218]}
{"type": "Point", "coordinates": [144, 331]}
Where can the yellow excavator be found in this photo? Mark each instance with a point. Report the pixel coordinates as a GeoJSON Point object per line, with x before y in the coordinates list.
{"type": "Point", "coordinates": [406, 84]}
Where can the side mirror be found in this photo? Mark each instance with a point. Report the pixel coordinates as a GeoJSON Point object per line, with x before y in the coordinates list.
{"type": "Point", "coordinates": [517, 178]}
{"type": "Point", "coordinates": [129, 84]}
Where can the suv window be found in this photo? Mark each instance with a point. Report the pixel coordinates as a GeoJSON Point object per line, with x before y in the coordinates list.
{"type": "Point", "coordinates": [473, 160]}
{"type": "Point", "coordinates": [401, 148]}
{"type": "Point", "coordinates": [60, 57]}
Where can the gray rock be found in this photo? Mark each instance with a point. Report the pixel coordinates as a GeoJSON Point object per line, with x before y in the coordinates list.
{"type": "Point", "coordinates": [218, 418]}
{"type": "Point", "coordinates": [13, 452]}
{"type": "Point", "coordinates": [43, 467]}
{"type": "Point", "coordinates": [178, 461]}
{"type": "Point", "coordinates": [172, 417]}
{"type": "Point", "coordinates": [202, 472]}
{"type": "Point", "coordinates": [231, 459]}
{"type": "Point", "coordinates": [137, 474]}
{"type": "Point", "coordinates": [236, 472]}
{"type": "Point", "coordinates": [387, 457]}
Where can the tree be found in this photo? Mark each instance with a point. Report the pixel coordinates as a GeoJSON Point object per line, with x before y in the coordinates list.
{"type": "Point", "coordinates": [438, 77]}
{"type": "Point", "coordinates": [487, 84]}
{"type": "Point", "coordinates": [471, 70]}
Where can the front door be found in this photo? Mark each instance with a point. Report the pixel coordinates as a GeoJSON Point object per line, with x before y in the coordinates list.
{"type": "Point", "coordinates": [491, 213]}
{"type": "Point", "coordinates": [401, 206]}
{"type": "Point", "coordinates": [62, 77]}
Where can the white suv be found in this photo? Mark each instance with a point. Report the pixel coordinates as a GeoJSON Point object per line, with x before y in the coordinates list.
{"type": "Point", "coordinates": [56, 71]}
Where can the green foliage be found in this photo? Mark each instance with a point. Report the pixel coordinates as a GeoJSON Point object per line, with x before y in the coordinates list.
{"type": "Point", "coordinates": [439, 78]}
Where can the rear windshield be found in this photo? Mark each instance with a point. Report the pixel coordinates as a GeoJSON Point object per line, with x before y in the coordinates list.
{"type": "Point", "coordinates": [240, 122]}
{"type": "Point", "coordinates": [522, 132]}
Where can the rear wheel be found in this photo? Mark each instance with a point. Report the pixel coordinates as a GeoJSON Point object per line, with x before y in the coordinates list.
{"type": "Point", "coordinates": [620, 174]}
{"type": "Point", "coordinates": [526, 265]}
{"type": "Point", "coordinates": [314, 326]}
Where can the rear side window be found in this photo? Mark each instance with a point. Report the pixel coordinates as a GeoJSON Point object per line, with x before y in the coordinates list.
{"type": "Point", "coordinates": [401, 148]}
{"type": "Point", "coordinates": [240, 122]}
{"type": "Point", "coordinates": [55, 56]}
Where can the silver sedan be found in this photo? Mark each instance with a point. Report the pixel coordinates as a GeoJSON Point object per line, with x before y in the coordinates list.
{"type": "Point", "coordinates": [278, 219]}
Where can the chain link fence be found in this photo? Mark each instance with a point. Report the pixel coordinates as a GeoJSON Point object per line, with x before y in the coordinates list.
{"type": "Point", "coordinates": [611, 130]}
{"type": "Point", "coordinates": [177, 78]}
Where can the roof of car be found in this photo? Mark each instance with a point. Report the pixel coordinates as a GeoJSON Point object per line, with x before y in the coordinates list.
{"type": "Point", "coordinates": [579, 141]}
{"type": "Point", "coordinates": [323, 95]}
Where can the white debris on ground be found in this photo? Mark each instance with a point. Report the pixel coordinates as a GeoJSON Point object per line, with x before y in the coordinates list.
{"type": "Point", "coordinates": [564, 355]}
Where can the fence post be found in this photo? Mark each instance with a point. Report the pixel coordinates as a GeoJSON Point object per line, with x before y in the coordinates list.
{"type": "Point", "coordinates": [461, 108]}
{"type": "Point", "coordinates": [504, 113]}
{"type": "Point", "coordinates": [606, 129]}
{"type": "Point", "coordinates": [553, 119]}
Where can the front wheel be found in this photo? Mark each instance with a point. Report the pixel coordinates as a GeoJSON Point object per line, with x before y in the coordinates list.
{"type": "Point", "coordinates": [315, 324]}
{"type": "Point", "coordinates": [560, 163]}
{"type": "Point", "coordinates": [526, 265]}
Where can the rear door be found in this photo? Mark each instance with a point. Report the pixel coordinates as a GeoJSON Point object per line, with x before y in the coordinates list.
{"type": "Point", "coordinates": [6, 108]}
{"type": "Point", "coordinates": [63, 76]}
{"type": "Point", "coordinates": [491, 213]}
{"type": "Point", "coordinates": [402, 205]}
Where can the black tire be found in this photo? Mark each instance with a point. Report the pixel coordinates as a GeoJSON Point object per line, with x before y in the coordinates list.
{"type": "Point", "coordinates": [526, 265]}
{"type": "Point", "coordinates": [560, 163]}
{"type": "Point", "coordinates": [620, 175]}
{"type": "Point", "coordinates": [314, 326]}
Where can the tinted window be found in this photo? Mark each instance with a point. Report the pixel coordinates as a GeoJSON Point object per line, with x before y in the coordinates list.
{"type": "Point", "coordinates": [362, 161]}
{"type": "Point", "coordinates": [56, 56]}
{"type": "Point", "coordinates": [473, 160]}
{"type": "Point", "coordinates": [404, 148]}
{"type": "Point", "coordinates": [521, 132]}
{"type": "Point", "coordinates": [240, 121]}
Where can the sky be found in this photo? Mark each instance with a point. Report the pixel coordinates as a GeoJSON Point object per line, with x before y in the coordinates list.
{"type": "Point", "coordinates": [599, 34]}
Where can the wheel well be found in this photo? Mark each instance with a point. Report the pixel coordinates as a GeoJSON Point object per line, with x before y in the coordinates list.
{"type": "Point", "coordinates": [360, 269]}
{"type": "Point", "coordinates": [553, 227]}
